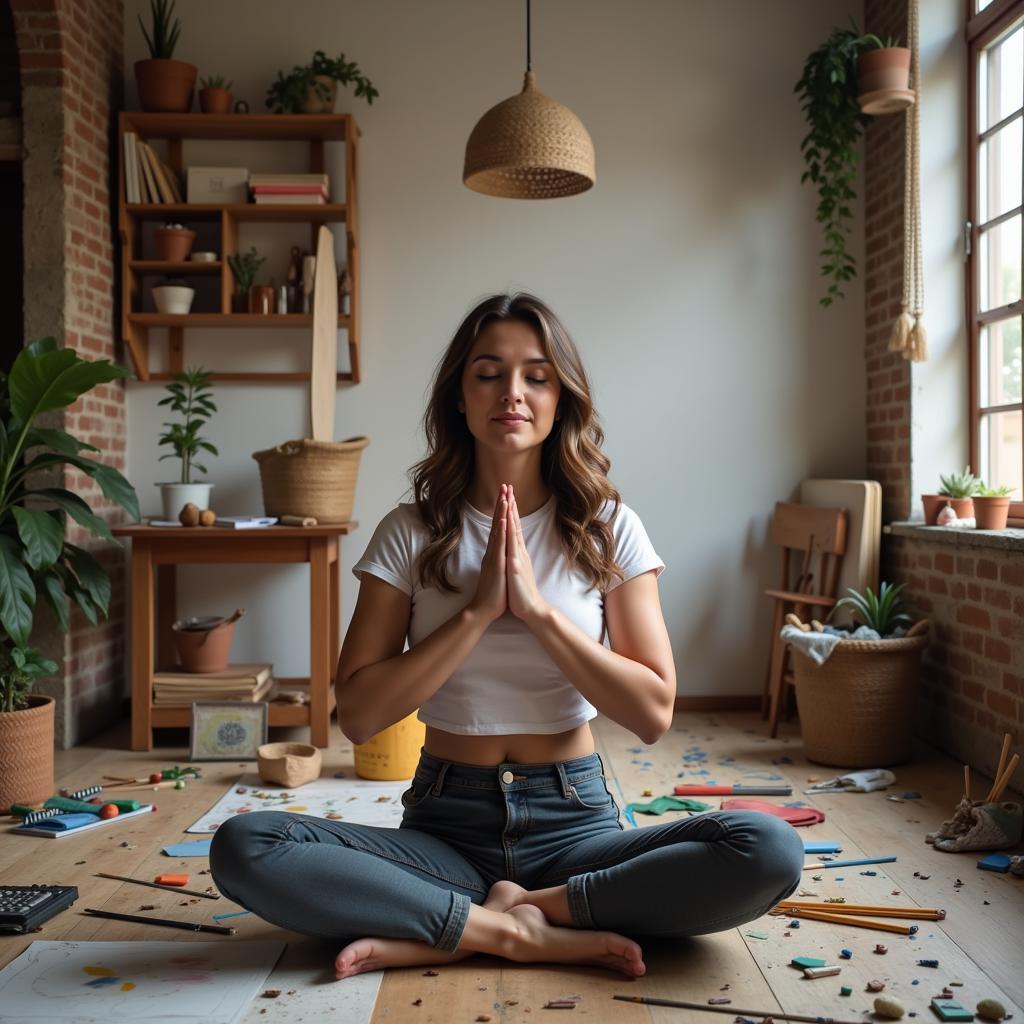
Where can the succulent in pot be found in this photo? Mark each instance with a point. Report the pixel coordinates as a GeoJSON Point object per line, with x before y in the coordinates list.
{"type": "Point", "coordinates": [164, 84]}
{"type": "Point", "coordinates": [992, 506]}
{"type": "Point", "coordinates": [956, 490]}
{"type": "Point", "coordinates": [173, 242]}
{"type": "Point", "coordinates": [215, 95]}
{"type": "Point", "coordinates": [244, 266]}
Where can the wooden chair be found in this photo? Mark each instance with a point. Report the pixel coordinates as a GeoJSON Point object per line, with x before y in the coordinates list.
{"type": "Point", "coordinates": [813, 542]}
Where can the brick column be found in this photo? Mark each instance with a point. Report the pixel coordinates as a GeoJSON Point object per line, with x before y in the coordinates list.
{"type": "Point", "coordinates": [71, 59]}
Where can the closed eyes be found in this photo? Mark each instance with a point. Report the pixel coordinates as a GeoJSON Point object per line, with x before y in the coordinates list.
{"type": "Point", "coordinates": [532, 380]}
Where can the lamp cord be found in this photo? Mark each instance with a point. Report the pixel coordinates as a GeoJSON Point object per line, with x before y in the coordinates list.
{"type": "Point", "coordinates": [529, 60]}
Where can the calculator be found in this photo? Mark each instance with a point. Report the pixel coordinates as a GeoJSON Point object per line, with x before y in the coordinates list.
{"type": "Point", "coordinates": [25, 907]}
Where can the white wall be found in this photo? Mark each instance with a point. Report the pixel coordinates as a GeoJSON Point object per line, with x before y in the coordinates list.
{"type": "Point", "coordinates": [688, 277]}
{"type": "Point", "coordinates": [939, 409]}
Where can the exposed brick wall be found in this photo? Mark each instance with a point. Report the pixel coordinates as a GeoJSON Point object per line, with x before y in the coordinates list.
{"type": "Point", "coordinates": [888, 373]}
{"type": "Point", "coordinates": [71, 59]}
{"type": "Point", "coordinates": [973, 678]}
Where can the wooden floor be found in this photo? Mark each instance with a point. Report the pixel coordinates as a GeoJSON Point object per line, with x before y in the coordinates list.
{"type": "Point", "coordinates": [981, 942]}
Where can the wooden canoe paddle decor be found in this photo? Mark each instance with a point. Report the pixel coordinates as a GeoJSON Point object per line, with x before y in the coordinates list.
{"type": "Point", "coordinates": [323, 384]}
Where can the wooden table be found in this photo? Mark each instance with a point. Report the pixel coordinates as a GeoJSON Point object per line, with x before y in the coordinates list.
{"type": "Point", "coordinates": [156, 554]}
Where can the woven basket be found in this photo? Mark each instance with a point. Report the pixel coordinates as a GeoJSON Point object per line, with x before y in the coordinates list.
{"type": "Point", "coordinates": [857, 710]}
{"type": "Point", "coordinates": [26, 753]}
{"type": "Point", "coordinates": [311, 478]}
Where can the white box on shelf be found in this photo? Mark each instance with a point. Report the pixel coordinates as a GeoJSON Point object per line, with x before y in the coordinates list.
{"type": "Point", "coordinates": [218, 185]}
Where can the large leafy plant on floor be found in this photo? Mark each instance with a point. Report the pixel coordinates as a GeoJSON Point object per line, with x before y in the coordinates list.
{"type": "Point", "coordinates": [35, 556]}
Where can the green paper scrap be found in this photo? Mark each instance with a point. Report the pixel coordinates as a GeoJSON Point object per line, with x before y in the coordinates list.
{"type": "Point", "coordinates": [807, 961]}
{"type": "Point", "coordinates": [661, 804]}
{"type": "Point", "coordinates": [756, 935]}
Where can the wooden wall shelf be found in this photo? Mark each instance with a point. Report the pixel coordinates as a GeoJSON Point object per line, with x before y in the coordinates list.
{"type": "Point", "coordinates": [174, 129]}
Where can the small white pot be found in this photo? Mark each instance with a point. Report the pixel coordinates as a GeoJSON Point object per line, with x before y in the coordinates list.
{"type": "Point", "coordinates": [177, 496]}
{"type": "Point", "coordinates": [173, 298]}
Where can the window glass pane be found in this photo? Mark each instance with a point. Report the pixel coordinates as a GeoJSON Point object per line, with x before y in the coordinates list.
{"type": "Point", "coordinates": [1001, 450]}
{"type": "Point", "coordinates": [980, 5]}
{"type": "Point", "coordinates": [1001, 78]}
{"type": "Point", "coordinates": [999, 171]}
{"type": "Point", "coordinates": [999, 270]}
{"type": "Point", "coordinates": [1000, 363]}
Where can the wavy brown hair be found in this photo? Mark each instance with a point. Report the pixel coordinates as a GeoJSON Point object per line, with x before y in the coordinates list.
{"type": "Point", "coordinates": [572, 464]}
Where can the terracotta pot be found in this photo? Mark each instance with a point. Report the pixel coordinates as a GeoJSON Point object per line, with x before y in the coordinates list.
{"type": "Point", "coordinates": [203, 650]}
{"type": "Point", "coordinates": [991, 513]}
{"type": "Point", "coordinates": [261, 299]}
{"type": "Point", "coordinates": [313, 104]}
{"type": "Point", "coordinates": [883, 80]}
{"type": "Point", "coordinates": [935, 503]}
{"type": "Point", "coordinates": [165, 85]}
{"type": "Point", "coordinates": [26, 753]}
{"type": "Point", "coordinates": [215, 101]}
{"type": "Point", "coordinates": [174, 244]}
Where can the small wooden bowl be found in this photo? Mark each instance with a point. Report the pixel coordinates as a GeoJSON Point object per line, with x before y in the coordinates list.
{"type": "Point", "coordinates": [288, 764]}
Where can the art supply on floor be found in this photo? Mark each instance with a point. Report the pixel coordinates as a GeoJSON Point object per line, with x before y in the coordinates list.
{"type": "Point", "coordinates": [23, 908]}
{"type": "Point", "coordinates": [72, 824]}
{"type": "Point", "coordinates": [822, 846]}
{"type": "Point", "coordinates": [772, 1014]}
{"type": "Point", "coordinates": [737, 790]}
{"type": "Point", "coordinates": [822, 972]}
{"type": "Point", "coordinates": [994, 862]}
{"type": "Point", "coordinates": [172, 880]}
{"type": "Point", "coordinates": [207, 981]}
{"type": "Point", "coordinates": [796, 816]}
{"type": "Point", "coordinates": [851, 919]}
{"type": "Point", "coordinates": [865, 781]}
{"type": "Point", "coordinates": [950, 1009]}
{"type": "Point", "coordinates": [661, 804]}
{"type": "Point", "coordinates": [924, 913]}
{"type": "Point", "coordinates": [189, 926]}
{"type": "Point", "coordinates": [848, 863]}
{"type": "Point", "coordinates": [161, 885]}
{"type": "Point", "coordinates": [197, 848]}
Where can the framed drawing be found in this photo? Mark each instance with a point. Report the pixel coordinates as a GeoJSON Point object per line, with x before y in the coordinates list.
{"type": "Point", "coordinates": [227, 731]}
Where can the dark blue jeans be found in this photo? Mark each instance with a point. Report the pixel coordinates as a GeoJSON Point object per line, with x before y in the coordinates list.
{"type": "Point", "coordinates": [540, 825]}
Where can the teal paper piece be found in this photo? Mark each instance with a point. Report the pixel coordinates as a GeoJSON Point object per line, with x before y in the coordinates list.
{"type": "Point", "coordinates": [661, 804]}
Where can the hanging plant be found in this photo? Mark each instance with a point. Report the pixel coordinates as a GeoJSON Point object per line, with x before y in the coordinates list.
{"type": "Point", "coordinates": [828, 91]}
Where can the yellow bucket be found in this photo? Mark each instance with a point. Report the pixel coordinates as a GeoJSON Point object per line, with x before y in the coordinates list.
{"type": "Point", "coordinates": [393, 753]}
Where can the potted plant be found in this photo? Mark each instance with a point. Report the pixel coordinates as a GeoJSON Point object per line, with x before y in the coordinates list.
{"type": "Point", "coordinates": [312, 88]}
{"type": "Point", "coordinates": [244, 266]}
{"type": "Point", "coordinates": [190, 398]}
{"type": "Point", "coordinates": [215, 95]}
{"type": "Point", "coordinates": [991, 506]}
{"type": "Point", "coordinates": [828, 90]}
{"type": "Point", "coordinates": [35, 554]}
{"type": "Point", "coordinates": [164, 84]}
{"type": "Point", "coordinates": [883, 78]}
{"type": "Point", "coordinates": [173, 295]}
{"type": "Point", "coordinates": [173, 242]}
{"type": "Point", "coordinates": [957, 491]}
{"type": "Point", "coordinates": [857, 707]}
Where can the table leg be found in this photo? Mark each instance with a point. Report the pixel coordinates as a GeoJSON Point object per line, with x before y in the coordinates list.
{"type": "Point", "coordinates": [166, 613]}
{"type": "Point", "coordinates": [319, 642]}
{"type": "Point", "coordinates": [335, 609]}
{"type": "Point", "coordinates": [142, 645]}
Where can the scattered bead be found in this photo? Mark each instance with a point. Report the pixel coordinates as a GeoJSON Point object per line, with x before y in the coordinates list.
{"type": "Point", "coordinates": [875, 985]}
{"type": "Point", "coordinates": [846, 990]}
{"type": "Point", "coordinates": [845, 954]}
{"type": "Point", "coordinates": [881, 948]}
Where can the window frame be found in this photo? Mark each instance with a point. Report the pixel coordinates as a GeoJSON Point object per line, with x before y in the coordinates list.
{"type": "Point", "coordinates": [981, 29]}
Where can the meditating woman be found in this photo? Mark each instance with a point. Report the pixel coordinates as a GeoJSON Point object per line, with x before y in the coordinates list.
{"type": "Point", "coordinates": [514, 562]}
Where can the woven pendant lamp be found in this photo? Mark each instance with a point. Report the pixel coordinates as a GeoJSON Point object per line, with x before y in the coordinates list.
{"type": "Point", "coordinates": [529, 146]}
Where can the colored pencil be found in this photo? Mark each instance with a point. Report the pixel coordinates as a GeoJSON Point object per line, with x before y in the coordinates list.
{"type": "Point", "coordinates": [848, 863]}
{"type": "Point", "coordinates": [1004, 780]}
{"type": "Point", "coordinates": [1003, 754]}
{"type": "Point", "coordinates": [737, 790]}
{"type": "Point", "coordinates": [189, 926]}
{"type": "Point", "coordinates": [923, 913]}
{"type": "Point", "coordinates": [774, 1014]}
{"type": "Point", "coordinates": [857, 922]}
{"type": "Point", "coordinates": [158, 885]}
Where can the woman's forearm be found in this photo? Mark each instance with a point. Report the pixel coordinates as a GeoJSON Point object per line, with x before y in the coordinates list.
{"type": "Point", "coordinates": [381, 694]}
{"type": "Point", "coordinates": [624, 690]}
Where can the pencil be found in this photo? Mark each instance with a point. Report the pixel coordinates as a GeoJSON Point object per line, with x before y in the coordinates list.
{"type": "Point", "coordinates": [767, 1014]}
{"type": "Point", "coordinates": [1004, 780]}
{"type": "Point", "coordinates": [967, 781]}
{"type": "Point", "coordinates": [924, 913]}
{"type": "Point", "coordinates": [857, 922]}
{"type": "Point", "coordinates": [848, 863]}
{"type": "Point", "coordinates": [1003, 754]}
{"type": "Point", "coordinates": [160, 885]}
{"type": "Point", "coordinates": [189, 926]}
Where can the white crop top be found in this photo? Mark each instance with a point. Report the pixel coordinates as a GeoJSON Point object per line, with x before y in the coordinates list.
{"type": "Point", "coordinates": [508, 683]}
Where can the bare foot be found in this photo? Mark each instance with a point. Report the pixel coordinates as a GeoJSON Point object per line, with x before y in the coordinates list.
{"type": "Point", "coordinates": [374, 954]}
{"type": "Point", "coordinates": [544, 942]}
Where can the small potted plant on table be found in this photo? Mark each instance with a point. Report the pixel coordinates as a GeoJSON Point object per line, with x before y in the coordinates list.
{"type": "Point", "coordinates": [956, 491]}
{"type": "Point", "coordinates": [189, 396]}
{"type": "Point", "coordinates": [313, 88]}
{"type": "Point", "coordinates": [857, 704]}
{"type": "Point", "coordinates": [244, 266]}
{"type": "Point", "coordinates": [215, 95]}
{"type": "Point", "coordinates": [164, 84]}
{"type": "Point", "coordinates": [35, 555]}
{"type": "Point", "coordinates": [992, 506]}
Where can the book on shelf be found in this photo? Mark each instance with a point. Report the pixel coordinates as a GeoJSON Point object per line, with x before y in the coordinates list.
{"type": "Point", "coordinates": [245, 522]}
{"type": "Point", "coordinates": [289, 200]}
{"type": "Point", "coordinates": [131, 169]}
{"type": "Point", "coordinates": [260, 180]}
{"type": "Point", "coordinates": [150, 193]}
{"type": "Point", "coordinates": [182, 696]}
{"type": "Point", "coordinates": [290, 190]}
{"type": "Point", "coordinates": [249, 674]}
{"type": "Point", "coordinates": [163, 186]}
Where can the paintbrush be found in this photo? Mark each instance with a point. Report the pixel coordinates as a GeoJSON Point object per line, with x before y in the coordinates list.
{"type": "Point", "coordinates": [189, 926]}
{"type": "Point", "coordinates": [160, 885]}
{"type": "Point", "coordinates": [767, 1014]}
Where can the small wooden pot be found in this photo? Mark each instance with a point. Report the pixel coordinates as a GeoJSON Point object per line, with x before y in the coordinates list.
{"type": "Point", "coordinates": [165, 85]}
{"type": "Point", "coordinates": [991, 513]}
{"type": "Point", "coordinates": [935, 503]}
{"type": "Point", "coordinates": [215, 101]}
{"type": "Point", "coordinates": [174, 244]}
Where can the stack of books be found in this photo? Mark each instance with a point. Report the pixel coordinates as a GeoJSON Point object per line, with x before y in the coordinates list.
{"type": "Point", "coordinates": [147, 179]}
{"type": "Point", "coordinates": [289, 189]}
{"type": "Point", "coordinates": [237, 682]}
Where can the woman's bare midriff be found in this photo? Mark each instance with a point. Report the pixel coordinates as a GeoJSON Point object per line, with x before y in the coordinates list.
{"type": "Point", "coordinates": [521, 748]}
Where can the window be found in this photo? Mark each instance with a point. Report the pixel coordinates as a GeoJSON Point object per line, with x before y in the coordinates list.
{"type": "Point", "coordinates": [995, 35]}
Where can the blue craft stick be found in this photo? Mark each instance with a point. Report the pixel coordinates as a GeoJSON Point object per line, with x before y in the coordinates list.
{"type": "Point", "coordinates": [237, 913]}
{"type": "Point", "coordinates": [822, 846]}
{"type": "Point", "coordinates": [854, 863]}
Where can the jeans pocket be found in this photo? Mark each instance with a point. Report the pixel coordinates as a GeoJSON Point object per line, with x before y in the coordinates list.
{"type": "Point", "coordinates": [592, 794]}
{"type": "Point", "coordinates": [417, 794]}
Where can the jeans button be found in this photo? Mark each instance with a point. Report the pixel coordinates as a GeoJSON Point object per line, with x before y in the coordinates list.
{"type": "Point", "coordinates": [507, 777]}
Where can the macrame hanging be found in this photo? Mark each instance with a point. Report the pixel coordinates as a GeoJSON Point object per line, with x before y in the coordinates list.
{"type": "Point", "coordinates": [908, 333]}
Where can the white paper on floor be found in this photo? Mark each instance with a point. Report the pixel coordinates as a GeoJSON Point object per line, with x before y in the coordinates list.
{"type": "Point", "coordinates": [100, 982]}
{"type": "Point", "coordinates": [357, 800]}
